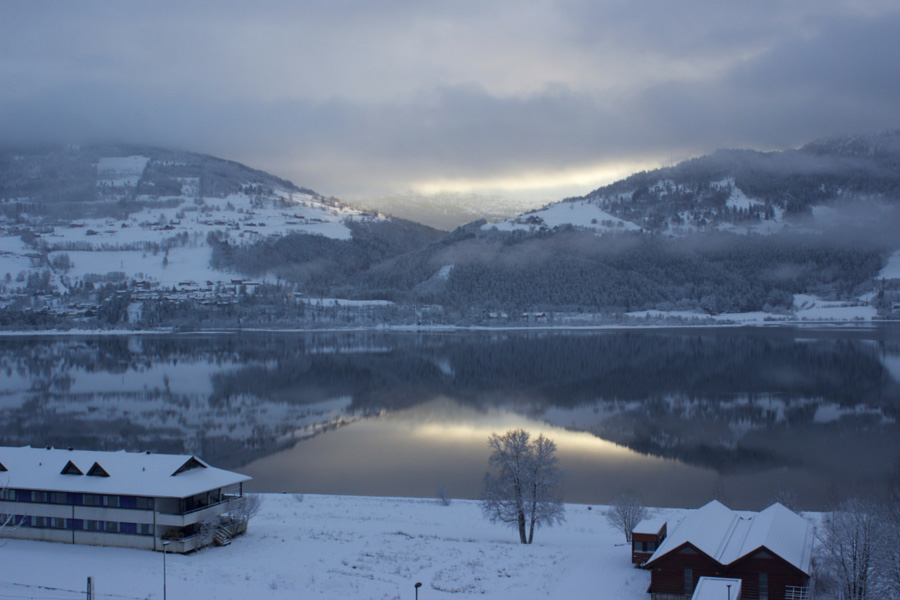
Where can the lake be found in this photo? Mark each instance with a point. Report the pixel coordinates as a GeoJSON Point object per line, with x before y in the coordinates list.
{"type": "Point", "coordinates": [676, 415]}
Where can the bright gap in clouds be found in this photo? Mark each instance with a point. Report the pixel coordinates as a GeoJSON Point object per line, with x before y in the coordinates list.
{"type": "Point", "coordinates": [584, 179]}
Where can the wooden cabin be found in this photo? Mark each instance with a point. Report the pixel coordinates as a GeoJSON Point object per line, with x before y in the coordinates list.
{"type": "Point", "coordinates": [646, 538]}
{"type": "Point", "coordinates": [769, 551]}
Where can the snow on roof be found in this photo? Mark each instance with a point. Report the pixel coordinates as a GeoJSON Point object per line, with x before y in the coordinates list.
{"type": "Point", "coordinates": [650, 526]}
{"type": "Point", "coordinates": [726, 535]}
{"type": "Point", "coordinates": [120, 473]}
{"type": "Point", "coordinates": [717, 588]}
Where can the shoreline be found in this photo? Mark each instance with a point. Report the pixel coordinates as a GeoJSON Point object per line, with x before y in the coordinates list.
{"type": "Point", "coordinates": [846, 324]}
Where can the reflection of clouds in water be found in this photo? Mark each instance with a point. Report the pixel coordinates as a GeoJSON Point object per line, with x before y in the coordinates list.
{"type": "Point", "coordinates": [891, 363]}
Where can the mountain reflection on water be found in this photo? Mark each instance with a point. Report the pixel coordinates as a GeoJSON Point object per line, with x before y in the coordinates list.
{"type": "Point", "coordinates": [672, 414]}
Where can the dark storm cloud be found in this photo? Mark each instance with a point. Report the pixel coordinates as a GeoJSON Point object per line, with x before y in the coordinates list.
{"type": "Point", "coordinates": [354, 97]}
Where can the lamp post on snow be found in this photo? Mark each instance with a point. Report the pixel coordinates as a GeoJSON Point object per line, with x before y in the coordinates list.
{"type": "Point", "coordinates": [165, 545]}
{"type": "Point", "coordinates": [418, 585]}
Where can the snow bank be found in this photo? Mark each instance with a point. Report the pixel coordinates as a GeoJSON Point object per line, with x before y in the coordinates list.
{"type": "Point", "coordinates": [352, 547]}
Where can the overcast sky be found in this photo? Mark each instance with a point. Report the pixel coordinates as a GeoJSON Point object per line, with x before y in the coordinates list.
{"type": "Point", "coordinates": [359, 98]}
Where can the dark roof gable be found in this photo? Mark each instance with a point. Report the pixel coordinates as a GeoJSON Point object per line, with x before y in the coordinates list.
{"type": "Point", "coordinates": [97, 471]}
{"type": "Point", "coordinates": [71, 469]}
{"type": "Point", "coordinates": [192, 463]}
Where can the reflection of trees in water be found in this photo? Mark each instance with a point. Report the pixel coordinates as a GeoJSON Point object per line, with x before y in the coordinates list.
{"type": "Point", "coordinates": [669, 393]}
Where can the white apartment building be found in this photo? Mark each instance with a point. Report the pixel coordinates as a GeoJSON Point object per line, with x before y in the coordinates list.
{"type": "Point", "coordinates": [137, 500]}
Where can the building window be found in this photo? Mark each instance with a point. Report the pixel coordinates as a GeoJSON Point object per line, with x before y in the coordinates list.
{"type": "Point", "coordinates": [688, 581]}
{"type": "Point", "coordinates": [144, 503]}
{"type": "Point", "coordinates": [127, 502]}
{"type": "Point", "coordinates": [763, 586]}
{"type": "Point", "coordinates": [127, 527]}
{"type": "Point", "coordinates": [112, 527]}
{"type": "Point", "coordinates": [58, 523]}
{"type": "Point", "coordinates": [76, 524]}
{"type": "Point", "coordinates": [93, 525]}
{"type": "Point", "coordinates": [23, 495]}
{"type": "Point", "coordinates": [19, 520]}
{"type": "Point", "coordinates": [57, 497]}
{"type": "Point", "coordinates": [91, 500]}
{"type": "Point", "coordinates": [146, 529]}
{"type": "Point", "coordinates": [35, 521]}
{"type": "Point", "coordinates": [111, 501]}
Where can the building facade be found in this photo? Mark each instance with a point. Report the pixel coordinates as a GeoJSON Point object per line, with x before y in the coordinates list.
{"type": "Point", "coordinates": [770, 552]}
{"type": "Point", "coordinates": [137, 500]}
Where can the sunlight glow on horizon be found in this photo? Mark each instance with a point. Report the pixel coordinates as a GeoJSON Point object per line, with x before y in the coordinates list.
{"type": "Point", "coordinates": [537, 181]}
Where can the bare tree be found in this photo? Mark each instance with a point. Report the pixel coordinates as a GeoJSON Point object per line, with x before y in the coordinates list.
{"type": "Point", "coordinates": [788, 498]}
{"type": "Point", "coordinates": [243, 508]}
{"type": "Point", "coordinates": [525, 492]}
{"type": "Point", "coordinates": [850, 540]}
{"type": "Point", "coordinates": [626, 512]}
{"type": "Point", "coordinates": [889, 557]}
{"type": "Point", "coordinates": [7, 522]}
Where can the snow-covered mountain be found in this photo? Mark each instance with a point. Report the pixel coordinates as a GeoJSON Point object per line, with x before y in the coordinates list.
{"type": "Point", "coordinates": [79, 216]}
{"type": "Point", "coordinates": [824, 184]}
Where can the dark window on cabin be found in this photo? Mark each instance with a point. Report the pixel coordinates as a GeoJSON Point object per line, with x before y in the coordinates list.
{"type": "Point", "coordinates": [688, 581]}
{"type": "Point", "coordinates": [763, 586]}
{"type": "Point", "coordinates": [646, 547]}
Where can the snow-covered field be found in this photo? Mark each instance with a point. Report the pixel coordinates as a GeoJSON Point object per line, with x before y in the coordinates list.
{"type": "Point", "coordinates": [350, 547]}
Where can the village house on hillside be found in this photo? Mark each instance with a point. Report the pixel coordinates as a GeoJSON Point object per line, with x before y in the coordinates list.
{"type": "Point", "coordinates": [138, 500]}
{"type": "Point", "coordinates": [769, 552]}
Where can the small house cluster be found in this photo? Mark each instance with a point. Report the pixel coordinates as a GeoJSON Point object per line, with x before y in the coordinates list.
{"type": "Point", "coordinates": [137, 500]}
{"type": "Point", "coordinates": [715, 552]}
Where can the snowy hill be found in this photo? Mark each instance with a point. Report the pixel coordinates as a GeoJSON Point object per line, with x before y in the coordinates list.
{"type": "Point", "coordinates": [143, 214]}
{"type": "Point", "coordinates": [743, 191]}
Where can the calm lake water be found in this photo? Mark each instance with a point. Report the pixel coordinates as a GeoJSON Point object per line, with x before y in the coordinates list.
{"type": "Point", "coordinates": [676, 415]}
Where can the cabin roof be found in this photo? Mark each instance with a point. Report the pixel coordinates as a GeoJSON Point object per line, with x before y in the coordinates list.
{"type": "Point", "coordinates": [650, 526]}
{"type": "Point", "coordinates": [727, 536]}
{"type": "Point", "coordinates": [120, 473]}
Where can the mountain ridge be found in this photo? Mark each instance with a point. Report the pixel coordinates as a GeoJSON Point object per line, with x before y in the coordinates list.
{"type": "Point", "coordinates": [177, 233]}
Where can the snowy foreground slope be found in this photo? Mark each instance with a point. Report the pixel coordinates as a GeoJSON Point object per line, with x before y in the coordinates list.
{"type": "Point", "coordinates": [350, 547]}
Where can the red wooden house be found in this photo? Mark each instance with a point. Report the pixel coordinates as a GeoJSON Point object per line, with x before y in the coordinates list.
{"type": "Point", "coordinates": [646, 538]}
{"type": "Point", "coordinates": [769, 552]}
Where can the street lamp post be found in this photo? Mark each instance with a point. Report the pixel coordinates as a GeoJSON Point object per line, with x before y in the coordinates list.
{"type": "Point", "coordinates": [165, 546]}
{"type": "Point", "coordinates": [418, 585]}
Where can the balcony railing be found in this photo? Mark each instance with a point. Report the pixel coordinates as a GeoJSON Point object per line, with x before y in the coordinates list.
{"type": "Point", "coordinates": [796, 592]}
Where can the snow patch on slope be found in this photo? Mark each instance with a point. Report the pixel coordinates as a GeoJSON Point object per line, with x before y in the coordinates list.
{"type": "Point", "coordinates": [581, 213]}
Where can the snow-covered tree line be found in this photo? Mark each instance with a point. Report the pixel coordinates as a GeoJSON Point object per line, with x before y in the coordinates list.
{"type": "Point", "coordinates": [859, 550]}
